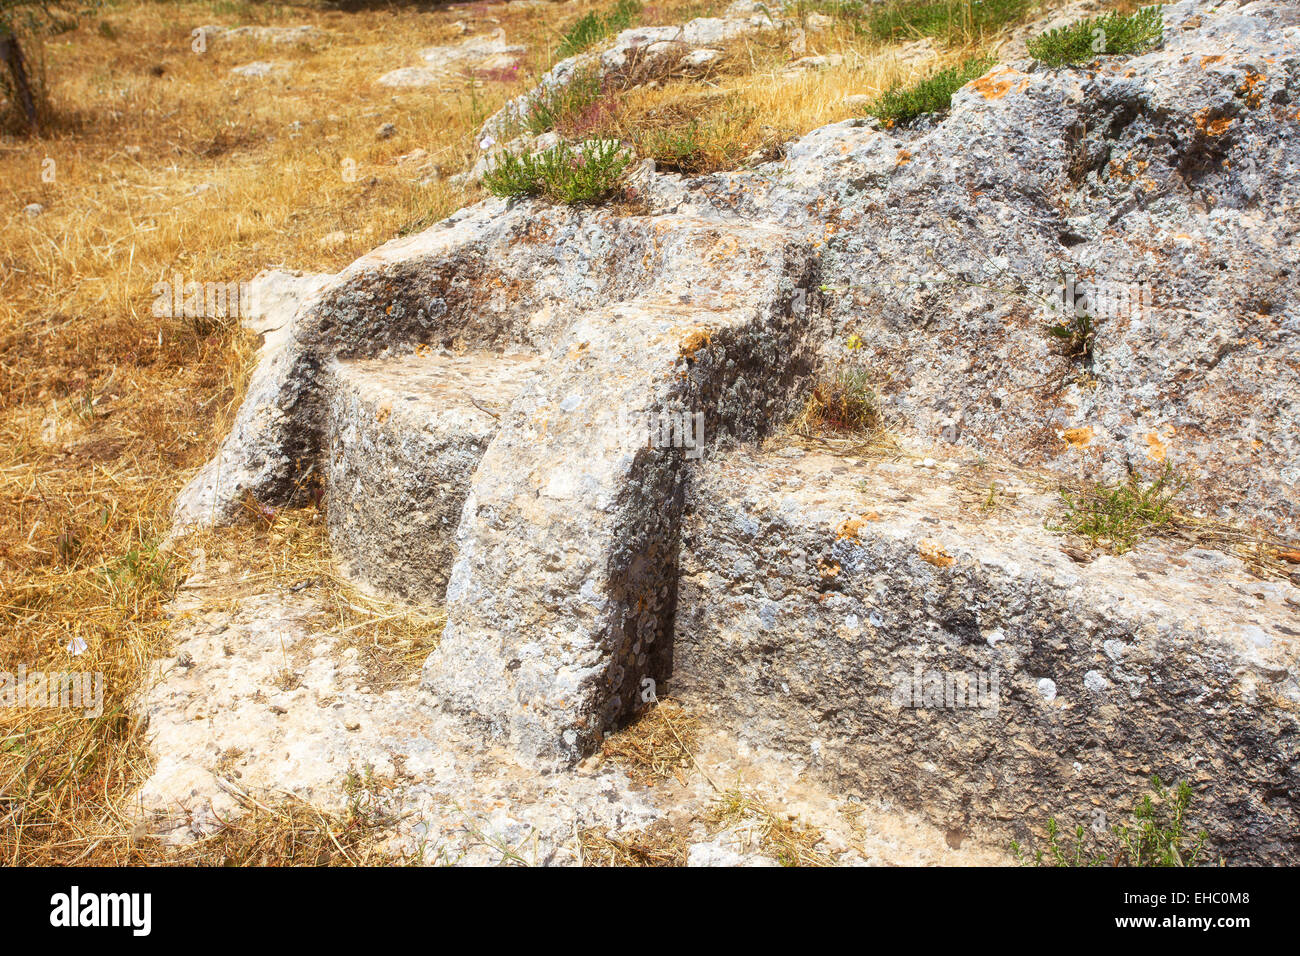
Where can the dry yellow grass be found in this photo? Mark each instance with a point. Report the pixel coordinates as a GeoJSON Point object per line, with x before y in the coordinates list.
{"type": "Point", "coordinates": [750, 100]}
{"type": "Point", "coordinates": [658, 745]}
{"type": "Point", "coordinates": [788, 840]}
{"type": "Point", "coordinates": [157, 161]}
{"type": "Point", "coordinates": [660, 844]}
{"type": "Point", "coordinates": [105, 409]}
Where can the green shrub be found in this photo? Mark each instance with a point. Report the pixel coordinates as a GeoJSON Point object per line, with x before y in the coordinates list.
{"type": "Point", "coordinates": [560, 173]}
{"type": "Point", "coordinates": [931, 95]}
{"type": "Point", "coordinates": [1156, 835]}
{"type": "Point", "coordinates": [1122, 514]}
{"type": "Point", "coordinates": [1112, 34]}
{"type": "Point", "coordinates": [597, 26]}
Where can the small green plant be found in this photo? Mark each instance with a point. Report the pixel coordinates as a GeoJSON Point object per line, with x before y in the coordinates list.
{"type": "Point", "coordinates": [1156, 835]}
{"type": "Point", "coordinates": [596, 26]}
{"type": "Point", "coordinates": [554, 106]}
{"type": "Point", "coordinates": [1076, 333]}
{"type": "Point", "coordinates": [676, 149]}
{"type": "Point", "coordinates": [931, 95]}
{"type": "Point", "coordinates": [1110, 35]}
{"type": "Point", "coordinates": [561, 173]}
{"type": "Point", "coordinates": [846, 400]}
{"type": "Point", "coordinates": [1120, 515]}
{"type": "Point", "coordinates": [141, 572]}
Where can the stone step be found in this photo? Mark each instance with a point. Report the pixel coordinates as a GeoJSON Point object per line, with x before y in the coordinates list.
{"type": "Point", "coordinates": [561, 598]}
{"type": "Point", "coordinates": [893, 625]}
{"type": "Point", "coordinates": [404, 437]}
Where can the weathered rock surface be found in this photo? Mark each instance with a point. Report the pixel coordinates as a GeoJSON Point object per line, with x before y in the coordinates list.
{"type": "Point", "coordinates": [1161, 184]}
{"type": "Point", "coordinates": [882, 623]}
{"type": "Point", "coordinates": [1163, 181]}
{"type": "Point", "coordinates": [261, 34]}
{"type": "Point", "coordinates": [269, 700]}
{"type": "Point", "coordinates": [487, 52]}
{"type": "Point", "coordinates": [405, 437]}
{"type": "Point", "coordinates": [260, 69]}
{"type": "Point", "coordinates": [561, 599]}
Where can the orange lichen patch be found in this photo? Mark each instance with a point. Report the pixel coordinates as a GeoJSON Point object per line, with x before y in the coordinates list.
{"type": "Point", "coordinates": [850, 528]}
{"type": "Point", "coordinates": [385, 410]}
{"type": "Point", "coordinates": [998, 83]}
{"type": "Point", "coordinates": [1291, 557]}
{"type": "Point", "coordinates": [828, 569]}
{"type": "Point", "coordinates": [1157, 448]}
{"type": "Point", "coordinates": [1247, 89]}
{"type": "Point", "coordinates": [1207, 60]}
{"type": "Point", "coordinates": [693, 341]}
{"type": "Point", "coordinates": [935, 553]}
{"type": "Point", "coordinates": [903, 157]}
{"type": "Point", "coordinates": [1212, 127]}
{"type": "Point", "coordinates": [1078, 437]}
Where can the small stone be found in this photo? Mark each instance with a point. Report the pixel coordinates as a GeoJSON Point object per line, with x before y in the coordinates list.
{"type": "Point", "coordinates": [33, 210]}
{"type": "Point", "coordinates": [385, 131]}
{"type": "Point", "coordinates": [701, 57]}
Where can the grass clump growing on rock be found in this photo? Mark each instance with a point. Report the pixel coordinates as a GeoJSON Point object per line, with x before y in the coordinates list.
{"type": "Point", "coordinates": [659, 745]}
{"type": "Point", "coordinates": [1112, 34]}
{"type": "Point", "coordinates": [952, 21]}
{"type": "Point", "coordinates": [596, 26]}
{"type": "Point", "coordinates": [697, 147]}
{"type": "Point", "coordinates": [845, 401]}
{"type": "Point", "coordinates": [790, 841]}
{"type": "Point", "coordinates": [561, 173]}
{"type": "Point", "coordinates": [931, 95]}
{"type": "Point", "coordinates": [1120, 515]}
{"type": "Point", "coordinates": [1156, 835]}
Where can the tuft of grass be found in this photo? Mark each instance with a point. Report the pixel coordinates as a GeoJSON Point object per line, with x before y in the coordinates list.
{"type": "Point", "coordinates": [1155, 835]}
{"type": "Point", "coordinates": [1076, 335]}
{"type": "Point", "coordinates": [596, 26]}
{"type": "Point", "coordinates": [847, 400]}
{"type": "Point", "coordinates": [291, 832]}
{"type": "Point", "coordinates": [790, 841]}
{"type": "Point", "coordinates": [563, 104]}
{"type": "Point", "coordinates": [560, 173]}
{"type": "Point", "coordinates": [931, 95]}
{"type": "Point", "coordinates": [1120, 515]}
{"type": "Point", "coordinates": [657, 845]}
{"type": "Point", "coordinates": [1113, 34]}
{"type": "Point", "coordinates": [657, 746]}
{"type": "Point", "coordinates": [698, 147]}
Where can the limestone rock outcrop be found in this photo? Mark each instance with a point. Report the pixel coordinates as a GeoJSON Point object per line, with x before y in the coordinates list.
{"type": "Point", "coordinates": [502, 412]}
